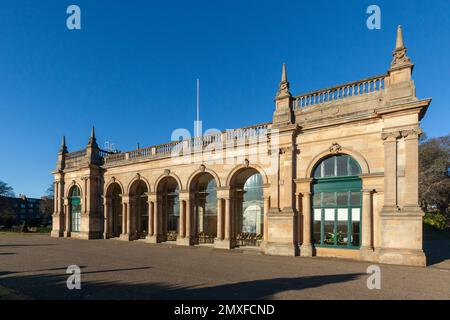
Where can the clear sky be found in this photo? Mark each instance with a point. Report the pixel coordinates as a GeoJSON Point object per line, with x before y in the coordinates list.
{"type": "Point", "coordinates": [131, 70]}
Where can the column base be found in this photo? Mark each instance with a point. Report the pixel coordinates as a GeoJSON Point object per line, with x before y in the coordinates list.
{"type": "Point", "coordinates": [223, 243]}
{"type": "Point", "coordinates": [406, 257]}
{"type": "Point", "coordinates": [306, 250]}
{"type": "Point", "coordinates": [125, 237]}
{"type": "Point", "coordinates": [281, 249]}
{"type": "Point", "coordinates": [367, 254]}
{"type": "Point", "coordinates": [155, 238]}
{"type": "Point", "coordinates": [56, 234]}
{"type": "Point", "coordinates": [186, 241]}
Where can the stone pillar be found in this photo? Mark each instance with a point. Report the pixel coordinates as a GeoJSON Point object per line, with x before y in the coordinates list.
{"type": "Point", "coordinates": [151, 213]}
{"type": "Point", "coordinates": [125, 219]}
{"type": "Point", "coordinates": [184, 237]}
{"type": "Point", "coordinates": [306, 247]}
{"type": "Point", "coordinates": [219, 219]}
{"type": "Point", "coordinates": [107, 217]}
{"type": "Point", "coordinates": [411, 193]}
{"type": "Point", "coordinates": [58, 220]}
{"type": "Point", "coordinates": [366, 243]}
{"type": "Point", "coordinates": [266, 212]}
{"type": "Point", "coordinates": [182, 225]}
{"type": "Point", "coordinates": [228, 219]}
{"type": "Point", "coordinates": [224, 230]}
{"type": "Point", "coordinates": [390, 171]}
{"type": "Point", "coordinates": [155, 212]}
{"type": "Point", "coordinates": [67, 217]}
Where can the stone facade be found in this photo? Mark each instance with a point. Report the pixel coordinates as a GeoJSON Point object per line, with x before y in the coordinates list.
{"type": "Point", "coordinates": [374, 121]}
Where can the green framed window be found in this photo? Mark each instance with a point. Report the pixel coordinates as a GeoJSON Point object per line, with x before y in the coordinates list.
{"type": "Point", "coordinates": [75, 209]}
{"type": "Point", "coordinates": [336, 205]}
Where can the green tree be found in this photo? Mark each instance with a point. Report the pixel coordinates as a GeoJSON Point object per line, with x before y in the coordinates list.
{"type": "Point", "coordinates": [46, 205]}
{"type": "Point", "coordinates": [7, 216]}
{"type": "Point", "coordinates": [434, 180]}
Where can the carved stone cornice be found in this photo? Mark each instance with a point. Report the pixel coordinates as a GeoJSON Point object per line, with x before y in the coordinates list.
{"type": "Point", "coordinates": [390, 136]}
{"type": "Point", "coordinates": [411, 133]}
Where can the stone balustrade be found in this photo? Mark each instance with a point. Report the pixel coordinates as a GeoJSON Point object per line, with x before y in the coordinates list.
{"type": "Point", "coordinates": [345, 91]}
{"type": "Point", "coordinates": [197, 143]}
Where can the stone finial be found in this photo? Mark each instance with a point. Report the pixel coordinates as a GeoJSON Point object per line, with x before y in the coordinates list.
{"type": "Point", "coordinates": [63, 148]}
{"type": "Point", "coordinates": [400, 59]}
{"type": "Point", "coordinates": [92, 139]}
{"type": "Point", "coordinates": [283, 88]}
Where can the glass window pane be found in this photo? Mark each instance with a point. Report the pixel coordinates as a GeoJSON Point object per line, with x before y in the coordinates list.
{"type": "Point", "coordinates": [318, 171]}
{"type": "Point", "coordinates": [317, 214]}
{"type": "Point", "coordinates": [354, 167]}
{"type": "Point", "coordinates": [316, 199]}
{"type": "Point", "coordinates": [356, 214]}
{"type": "Point", "coordinates": [342, 198]}
{"type": "Point", "coordinates": [342, 233]}
{"type": "Point", "coordinates": [317, 231]}
{"type": "Point", "coordinates": [343, 214]}
{"type": "Point", "coordinates": [329, 199]}
{"type": "Point", "coordinates": [328, 167]}
{"type": "Point", "coordinates": [355, 198]}
{"type": "Point", "coordinates": [328, 227]}
{"type": "Point", "coordinates": [341, 165]}
{"type": "Point", "coordinates": [329, 214]}
{"type": "Point", "coordinates": [355, 234]}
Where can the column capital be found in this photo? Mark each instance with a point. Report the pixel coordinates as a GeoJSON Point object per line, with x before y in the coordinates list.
{"type": "Point", "coordinates": [125, 199]}
{"type": "Point", "coordinates": [390, 136]}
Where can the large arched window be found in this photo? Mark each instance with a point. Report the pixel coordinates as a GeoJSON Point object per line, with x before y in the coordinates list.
{"type": "Point", "coordinates": [337, 202]}
{"type": "Point", "coordinates": [252, 205]}
{"type": "Point", "coordinates": [75, 209]}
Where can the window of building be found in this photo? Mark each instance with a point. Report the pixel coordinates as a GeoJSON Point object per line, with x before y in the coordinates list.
{"type": "Point", "coordinates": [75, 209]}
{"type": "Point", "coordinates": [337, 203]}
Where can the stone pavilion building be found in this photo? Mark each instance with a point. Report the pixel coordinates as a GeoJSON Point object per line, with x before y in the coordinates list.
{"type": "Point", "coordinates": [334, 173]}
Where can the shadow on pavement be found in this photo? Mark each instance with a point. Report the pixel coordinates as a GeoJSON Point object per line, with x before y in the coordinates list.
{"type": "Point", "coordinates": [436, 245]}
{"type": "Point", "coordinates": [53, 286]}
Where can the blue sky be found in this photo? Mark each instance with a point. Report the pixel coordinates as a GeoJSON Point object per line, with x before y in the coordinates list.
{"type": "Point", "coordinates": [131, 70]}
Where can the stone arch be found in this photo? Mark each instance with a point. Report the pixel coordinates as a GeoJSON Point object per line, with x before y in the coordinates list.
{"type": "Point", "coordinates": [72, 185]}
{"type": "Point", "coordinates": [322, 155]}
{"type": "Point", "coordinates": [198, 172]}
{"type": "Point", "coordinates": [111, 182]}
{"type": "Point", "coordinates": [138, 177]}
{"type": "Point", "coordinates": [238, 168]}
{"type": "Point", "coordinates": [165, 175]}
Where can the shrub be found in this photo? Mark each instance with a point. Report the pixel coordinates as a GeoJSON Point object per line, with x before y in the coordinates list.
{"type": "Point", "coordinates": [435, 220]}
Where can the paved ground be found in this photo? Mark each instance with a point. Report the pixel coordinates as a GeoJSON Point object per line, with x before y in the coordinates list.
{"type": "Point", "coordinates": [34, 266]}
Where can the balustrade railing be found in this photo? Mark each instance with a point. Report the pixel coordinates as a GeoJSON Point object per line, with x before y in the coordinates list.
{"type": "Point", "coordinates": [194, 143]}
{"type": "Point", "coordinates": [344, 91]}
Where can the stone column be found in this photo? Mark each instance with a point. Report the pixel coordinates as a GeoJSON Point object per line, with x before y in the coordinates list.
{"type": "Point", "coordinates": [182, 225]}
{"type": "Point", "coordinates": [155, 210]}
{"type": "Point", "coordinates": [68, 222]}
{"type": "Point", "coordinates": [411, 193]}
{"type": "Point", "coordinates": [125, 219]}
{"type": "Point", "coordinates": [151, 216]}
{"type": "Point", "coordinates": [390, 171]}
{"type": "Point", "coordinates": [188, 218]}
{"type": "Point", "coordinates": [151, 211]}
{"type": "Point", "coordinates": [107, 204]}
{"type": "Point", "coordinates": [366, 243]}
{"type": "Point", "coordinates": [306, 247]}
{"type": "Point", "coordinates": [185, 235]}
{"type": "Point", "coordinates": [219, 219]}
{"type": "Point", "coordinates": [224, 230]}
{"type": "Point", "coordinates": [227, 219]}
{"type": "Point", "coordinates": [266, 212]}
